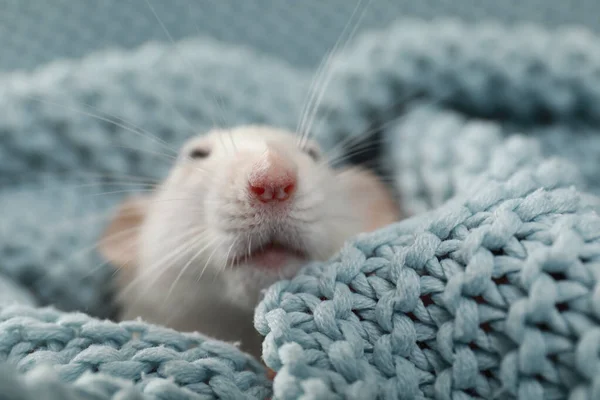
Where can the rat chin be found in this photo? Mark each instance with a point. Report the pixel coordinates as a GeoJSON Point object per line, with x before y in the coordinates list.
{"type": "Point", "coordinates": [246, 283]}
{"type": "Point", "coordinates": [271, 256]}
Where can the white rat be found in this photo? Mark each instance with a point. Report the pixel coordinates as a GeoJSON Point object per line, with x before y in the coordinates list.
{"type": "Point", "coordinates": [239, 210]}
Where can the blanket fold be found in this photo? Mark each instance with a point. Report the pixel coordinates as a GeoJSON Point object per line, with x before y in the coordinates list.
{"type": "Point", "coordinates": [489, 290]}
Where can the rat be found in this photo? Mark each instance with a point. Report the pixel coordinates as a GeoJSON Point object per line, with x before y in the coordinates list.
{"type": "Point", "coordinates": [239, 210]}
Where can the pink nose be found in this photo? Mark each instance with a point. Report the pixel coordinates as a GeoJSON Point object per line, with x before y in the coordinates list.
{"type": "Point", "coordinates": [273, 178]}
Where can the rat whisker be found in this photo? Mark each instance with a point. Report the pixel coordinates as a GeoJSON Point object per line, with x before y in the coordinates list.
{"type": "Point", "coordinates": [76, 222]}
{"type": "Point", "coordinates": [361, 136]}
{"type": "Point", "coordinates": [115, 183]}
{"type": "Point", "coordinates": [183, 236]}
{"type": "Point", "coordinates": [195, 237]}
{"type": "Point", "coordinates": [330, 155]}
{"type": "Point", "coordinates": [225, 124]}
{"type": "Point", "coordinates": [122, 178]}
{"type": "Point", "coordinates": [156, 201]}
{"type": "Point", "coordinates": [379, 140]}
{"type": "Point", "coordinates": [223, 140]}
{"type": "Point", "coordinates": [189, 240]}
{"type": "Point", "coordinates": [187, 265]}
{"type": "Point", "coordinates": [209, 258]}
{"type": "Point", "coordinates": [131, 124]}
{"type": "Point", "coordinates": [139, 131]}
{"type": "Point", "coordinates": [249, 253]}
{"type": "Point", "coordinates": [111, 115]}
{"type": "Point", "coordinates": [168, 156]}
{"type": "Point", "coordinates": [130, 247]}
{"type": "Point", "coordinates": [85, 174]}
{"type": "Point", "coordinates": [147, 151]}
{"type": "Point", "coordinates": [384, 173]}
{"type": "Point", "coordinates": [175, 45]}
{"type": "Point", "coordinates": [227, 259]}
{"type": "Point", "coordinates": [374, 164]}
{"type": "Point", "coordinates": [177, 111]}
{"type": "Point", "coordinates": [238, 222]}
{"type": "Point", "coordinates": [120, 191]}
{"type": "Point", "coordinates": [140, 188]}
{"type": "Point", "coordinates": [232, 141]}
{"type": "Point", "coordinates": [324, 68]}
{"type": "Point", "coordinates": [82, 185]}
{"type": "Point", "coordinates": [109, 238]}
{"type": "Point", "coordinates": [329, 75]}
{"type": "Point", "coordinates": [310, 94]}
{"type": "Point", "coordinates": [368, 146]}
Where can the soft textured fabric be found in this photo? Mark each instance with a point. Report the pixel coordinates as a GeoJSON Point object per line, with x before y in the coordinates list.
{"type": "Point", "coordinates": [489, 290]}
{"type": "Point", "coordinates": [34, 33]}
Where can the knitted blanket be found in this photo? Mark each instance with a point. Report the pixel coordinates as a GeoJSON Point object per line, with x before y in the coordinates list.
{"type": "Point", "coordinates": [488, 290]}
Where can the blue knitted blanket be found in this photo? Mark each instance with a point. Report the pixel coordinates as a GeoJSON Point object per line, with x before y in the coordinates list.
{"type": "Point", "coordinates": [489, 290]}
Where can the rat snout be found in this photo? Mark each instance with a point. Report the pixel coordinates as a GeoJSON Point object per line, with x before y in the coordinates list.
{"type": "Point", "coordinates": [273, 177]}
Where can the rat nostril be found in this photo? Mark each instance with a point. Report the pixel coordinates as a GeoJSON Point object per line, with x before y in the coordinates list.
{"type": "Point", "coordinates": [272, 178]}
{"type": "Point", "coordinates": [257, 189]}
{"type": "Point", "coordinates": [289, 188]}
{"type": "Point", "coordinates": [272, 191]}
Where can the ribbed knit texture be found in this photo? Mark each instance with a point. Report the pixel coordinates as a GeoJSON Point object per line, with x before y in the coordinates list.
{"type": "Point", "coordinates": [489, 290]}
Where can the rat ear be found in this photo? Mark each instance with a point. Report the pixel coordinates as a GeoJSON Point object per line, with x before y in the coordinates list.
{"type": "Point", "coordinates": [119, 242]}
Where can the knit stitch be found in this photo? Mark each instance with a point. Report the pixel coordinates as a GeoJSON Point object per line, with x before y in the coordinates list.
{"type": "Point", "coordinates": [489, 290]}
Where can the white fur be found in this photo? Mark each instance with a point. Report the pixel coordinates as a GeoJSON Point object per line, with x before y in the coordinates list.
{"type": "Point", "coordinates": [210, 195]}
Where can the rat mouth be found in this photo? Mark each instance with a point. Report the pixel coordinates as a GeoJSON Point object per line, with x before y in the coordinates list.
{"type": "Point", "coordinates": [272, 255]}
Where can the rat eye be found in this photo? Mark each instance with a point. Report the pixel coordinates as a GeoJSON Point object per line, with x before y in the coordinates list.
{"type": "Point", "coordinates": [313, 153]}
{"type": "Point", "coordinates": [199, 153]}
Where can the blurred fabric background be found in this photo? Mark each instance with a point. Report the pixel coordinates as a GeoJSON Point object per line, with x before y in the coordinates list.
{"type": "Point", "coordinates": [77, 137]}
{"type": "Point", "coordinates": [300, 32]}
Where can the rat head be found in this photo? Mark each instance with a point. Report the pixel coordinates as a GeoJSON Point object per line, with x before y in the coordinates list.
{"type": "Point", "coordinates": [242, 209]}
